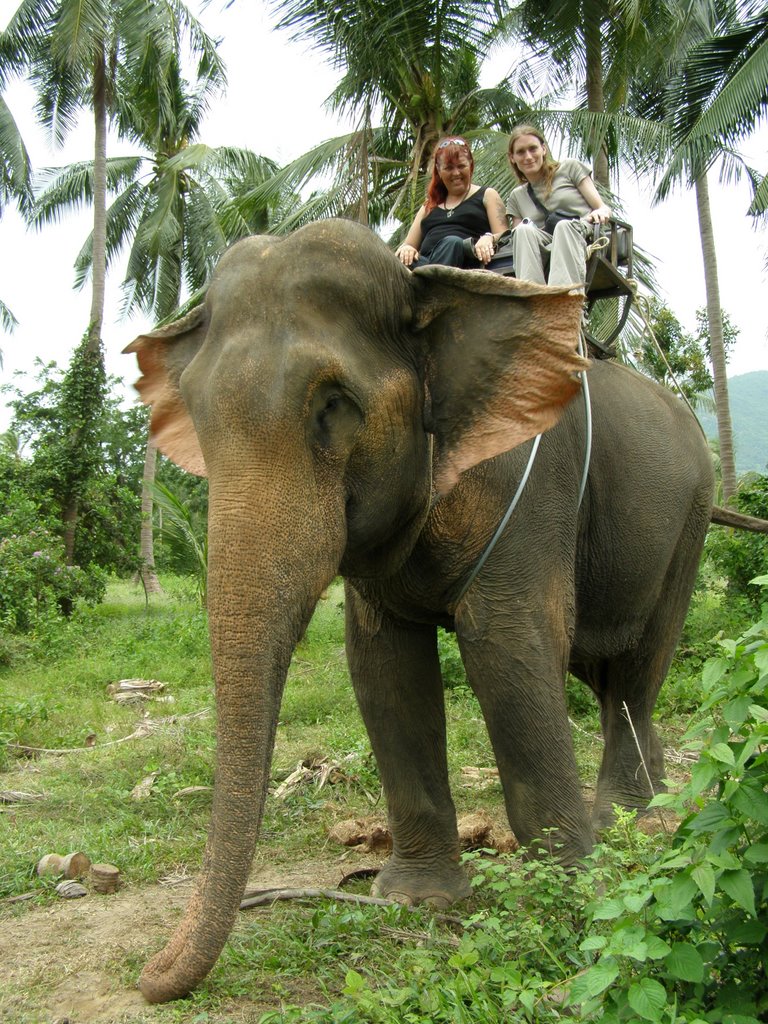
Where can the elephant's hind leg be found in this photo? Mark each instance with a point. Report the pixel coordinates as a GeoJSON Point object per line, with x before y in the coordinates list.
{"type": "Point", "coordinates": [632, 767]}
{"type": "Point", "coordinates": [627, 686]}
{"type": "Point", "coordinates": [395, 671]}
{"type": "Point", "coordinates": [517, 671]}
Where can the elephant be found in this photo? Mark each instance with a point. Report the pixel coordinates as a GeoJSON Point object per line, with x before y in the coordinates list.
{"type": "Point", "coordinates": [355, 418]}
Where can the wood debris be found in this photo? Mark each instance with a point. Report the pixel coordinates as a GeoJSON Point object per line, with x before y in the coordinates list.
{"type": "Point", "coordinates": [18, 796]}
{"type": "Point", "coordinates": [313, 770]}
{"type": "Point", "coordinates": [146, 728]}
{"type": "Point", "coordinates": [50, 864]}
{"type": "Point", "coordinates": [70, 890]}
{"type": "Point", "coordinates": [478, 778]}
{"type": "Point", "coordinates": [132, 691]}
{"type": "Point", "coordinates": [73, 865]}
{"type": "Point", "coordinates": [371, 835]}
{"type": "Point", "coordinates": [191, 791]}
{"type": "Point", "coordinates": [144, 788]}
{"type": "Point", "coordinates": [105, 878]}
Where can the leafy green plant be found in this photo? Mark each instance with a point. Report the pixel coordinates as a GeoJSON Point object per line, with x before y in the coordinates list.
{"type": "Point", "coordinates": [18, 713]}
{"type": "Point", "coordinates": [185, 533]}
{"type": "Point", "coordinates": [739, 555]}
{"type": "Point", "coordinates": [684, 938]}
{"type": "Point", "coordinates": [34, 576]}
{"type": "Point", "coordinates": [451, 665]}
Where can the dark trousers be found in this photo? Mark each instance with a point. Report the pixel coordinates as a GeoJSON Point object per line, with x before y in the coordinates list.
{"type": "Point", "coordinates": [450, 251]}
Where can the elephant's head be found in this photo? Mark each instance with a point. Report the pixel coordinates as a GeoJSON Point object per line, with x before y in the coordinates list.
{"type": "Point", "coordinates": [329, 395]}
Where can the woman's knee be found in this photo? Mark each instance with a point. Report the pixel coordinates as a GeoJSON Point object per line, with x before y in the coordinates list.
{"type": "Point", "coordinates": [451, 252]}
{"type": "Point", "coordinates": [573, 230]}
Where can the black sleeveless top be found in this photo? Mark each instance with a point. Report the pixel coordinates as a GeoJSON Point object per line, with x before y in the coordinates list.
{"type": "Point", "coordinates": [467, 220]}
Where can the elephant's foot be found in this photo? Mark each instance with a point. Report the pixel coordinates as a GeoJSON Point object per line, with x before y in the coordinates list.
{"type": "Point", "coordinates": [603, 814]}
{"type": "Point", "coordinates": [436, 885]}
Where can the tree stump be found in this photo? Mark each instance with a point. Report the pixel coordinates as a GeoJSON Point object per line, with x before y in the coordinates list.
{"type": "Point", "coordinates": [105, 878]}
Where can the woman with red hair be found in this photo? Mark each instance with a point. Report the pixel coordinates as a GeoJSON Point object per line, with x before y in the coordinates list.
{"type": "Point", "coordinates": [456, 209]}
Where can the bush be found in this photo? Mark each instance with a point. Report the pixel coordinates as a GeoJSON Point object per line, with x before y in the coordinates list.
{"type": "Point", "coordinates": [685, 938]}
{"type": "Point", "coordinates": [34, 577]}
{"type": "Point", "coordinates": [740, 555]}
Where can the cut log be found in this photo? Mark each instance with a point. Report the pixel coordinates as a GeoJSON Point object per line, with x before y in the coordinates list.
{"type": "Point", "coordinates": [75, 865]}
{"type": "Point", "coordinates": [105, 878]}
{"type": "Point", "coordinates": [50, 864]}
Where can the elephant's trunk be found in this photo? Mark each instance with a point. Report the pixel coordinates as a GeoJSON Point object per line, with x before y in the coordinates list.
{"type": "Point", "coordinates": [263, 586]}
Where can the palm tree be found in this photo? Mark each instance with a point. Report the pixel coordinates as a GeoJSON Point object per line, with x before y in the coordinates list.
{"type": "Point", "coordinates": [598, 47]}
{"type": "Point", "coordinates": [86, 56]}
{"type": "Point", "coordinates": [717, 91]}
{"type": "Point", "coordinates": [672, 87]}
{"type": "Point", "coordinates": [175, 211]}
{"type": "Point", "coordinates": [14, 182]}
{"type": "Point", "coordinates": [417, 67]}
{"type": "Point", "coordinates": [175, 207]}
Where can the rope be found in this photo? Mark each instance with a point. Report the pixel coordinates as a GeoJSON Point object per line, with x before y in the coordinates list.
{"type": "Point", "coordinates": [599, 243]}
{"type": "Point", "coordinates": [644, 306]}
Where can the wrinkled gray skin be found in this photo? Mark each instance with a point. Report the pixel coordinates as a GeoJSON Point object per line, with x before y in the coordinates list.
{"type": "Point", "coordinates": [356, 418]}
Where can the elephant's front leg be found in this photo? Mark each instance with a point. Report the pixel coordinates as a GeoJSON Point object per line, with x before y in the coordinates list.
{"type": "Point", "coordinates": [396, 675]}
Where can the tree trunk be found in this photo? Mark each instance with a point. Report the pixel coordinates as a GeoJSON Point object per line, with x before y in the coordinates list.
{"type": "Point", "coordinates": [716, 345]}
{"type": "Point", "coordinates": [99, 205]}
{"type": "Point", "coordinates": [364, 173]}
{"type": "Point", "coordinates": [593, 46]}
{"type": "Point", "coordinates": [93, 349]}
{"type": "Point", "coordinates": [147, 548]}
{"type": "Point", "coordinates": [69, 519]}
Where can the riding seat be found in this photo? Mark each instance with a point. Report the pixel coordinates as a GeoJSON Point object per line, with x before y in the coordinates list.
{"type": "Point", "coordinates": [609, 276]}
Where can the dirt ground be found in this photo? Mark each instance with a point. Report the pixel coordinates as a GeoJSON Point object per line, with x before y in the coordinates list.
{"type": "Point", "coordinates": [63, 963]}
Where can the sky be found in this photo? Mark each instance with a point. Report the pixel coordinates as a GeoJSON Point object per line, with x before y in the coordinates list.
{"type": "Point", "coordinates": [274, 106]}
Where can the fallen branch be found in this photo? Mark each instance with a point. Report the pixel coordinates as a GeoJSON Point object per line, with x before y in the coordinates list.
{"type": "Point", "coordinates": [143, 731]}
{"type": "Point", "coordinates": [20, 899]}
{"type": "Point", "coordinates": [262, 897]}
{"type": "Point", "coordinates": [146, 728]}
{"type": "Point", "coordinates": [16, 796]}
{"type": "Point", "coordinates": [739, 520]}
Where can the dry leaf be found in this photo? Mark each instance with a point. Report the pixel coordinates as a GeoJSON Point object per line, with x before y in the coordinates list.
{"type": "Point", "coordinates": [143, 789]}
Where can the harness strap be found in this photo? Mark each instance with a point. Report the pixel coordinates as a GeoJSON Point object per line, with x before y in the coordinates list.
{"type": "Point", "coordinates": [505, 519]}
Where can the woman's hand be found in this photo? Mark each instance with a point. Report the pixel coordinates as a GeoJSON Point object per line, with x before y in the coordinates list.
{"type": "Point", "coordinates": [598, 216]}
{"type": "Point", "coordinates": [485, 247]}
{"type": "Point", "coordinates": [407, 254]}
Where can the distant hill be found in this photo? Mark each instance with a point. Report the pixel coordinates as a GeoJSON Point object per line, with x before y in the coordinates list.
{"type": "Point", "coordinates": [748, 395]}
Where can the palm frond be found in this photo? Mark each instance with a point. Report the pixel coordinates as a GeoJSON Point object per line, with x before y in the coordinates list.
{"type": "Point", "coordinates": [7, 320]}
{"type": "Point", "coordinates": [15, 166]}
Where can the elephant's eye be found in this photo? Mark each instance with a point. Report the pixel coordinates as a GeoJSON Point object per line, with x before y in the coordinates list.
{"type": "Point", "coordinates": [336, 419]}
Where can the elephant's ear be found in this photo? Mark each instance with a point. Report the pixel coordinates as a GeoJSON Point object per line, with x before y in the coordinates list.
{"type": "Point", "coordinates": [163, 355]}
{"type": "Point", "coordinates": [502, 362]}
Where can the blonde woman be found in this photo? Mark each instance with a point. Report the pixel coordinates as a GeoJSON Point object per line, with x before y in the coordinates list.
{"type": "Point", "coordinates": [545, 251]}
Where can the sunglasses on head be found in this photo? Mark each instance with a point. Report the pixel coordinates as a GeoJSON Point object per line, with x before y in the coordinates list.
{"type": "Point", "coordinates": [452, 142]}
